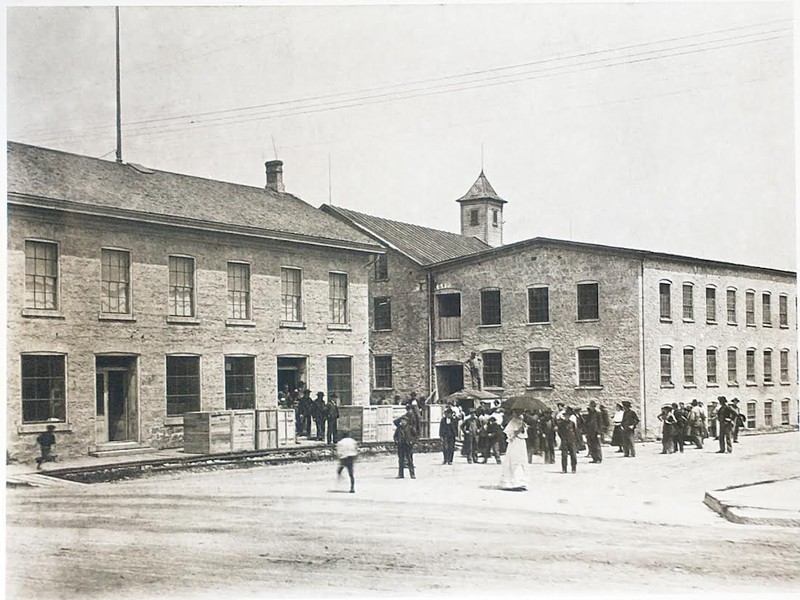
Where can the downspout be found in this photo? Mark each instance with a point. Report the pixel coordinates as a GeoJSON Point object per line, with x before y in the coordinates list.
{"type": "Point", "coordinates": [642, 347]}
{"type": "Point", "coordinates": [431, 371]}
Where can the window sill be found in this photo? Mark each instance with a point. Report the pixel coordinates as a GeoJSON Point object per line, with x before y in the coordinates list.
{"type": "Point", "coordinates": [597, 320]}
{"type": "Point", "coordinates": [339, 327]}
{"type": "Point", "coordinates": [733, 384]}
{"type": "Point", "coordinates": [382, 330]}
{"type": "Point", "coordinates": [173, 420]}
{"type": "Point", "coordinates": [380, 280]}
{"type": "Point", "coordinates": [785, 383]}
{"type": "Point", "coordinates": [712, 385]}
{"type": "Point", "coordinates": [711, 322]}
{"type": "Point", "coordinates": [490, 326]}
{"type": "Point", "coordinates": [685, 320]}
{"type": "Point", "coordinates": [538, 323]}
{"type": "Point", "coordinates": [540, 387]}
{"type": "Point", "coordinates": [493, 388]}
{"type": "Point", "coordinates": [784, 326]}
{"type": "Point", "coordinates": [450, 340]}
{"type": "Point", "coordinates": [292, 325]}
{"type": "Point", "coordinates": [769, 383]}
{"type": "Point", "coordinates": [176, 320]}
{"type": "Point", "coordinates": [689, 386]}
{"type": "Point", "coordinates": [751, 325]}
{"type": "Point", "coordinates": [668, 385]}
{"type": "Point", "coordinates": [382, 389]}
{"type": "Point", "coordinates": [113, 317]}
{"type": "Point", "coordinates": [767, 325]}
{"type": "Point", "coordinates": [733, 324]}
{"type": "Point", "coordinates": [588, 387]}
{"type": "Point", "coordinates": [42, 427]}
{"type": "Point", "coordinates": [665, 319]}
{"type": "Point", "coordinates": [751, 384]}
{"type": "Point", "coordinates": [39, 313]}
{"type": "Point", "coordinates": [240, 323]}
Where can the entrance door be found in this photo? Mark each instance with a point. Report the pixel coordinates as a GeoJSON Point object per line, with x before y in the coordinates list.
{"type": "Point", "coordinates": [449, 379]}
{"type": "Point", "coordinates": [116, 401]}
{"type": "Point", "coordinates": [291, 371]}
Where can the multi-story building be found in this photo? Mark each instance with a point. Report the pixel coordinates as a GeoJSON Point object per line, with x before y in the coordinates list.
{"type": "Point", "coordinates": [575, 322]}
{"type": "Point", "coordinates": [136, 295]}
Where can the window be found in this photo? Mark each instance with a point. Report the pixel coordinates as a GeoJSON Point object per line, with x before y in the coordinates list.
{"type": "Point", "coordinates": [665, 301]}
{"type": "Point", "coordinates": [750, 366]}
{"type": "Point", "coordinates": [751, 415]}
{"type": "Point", "coordinates": [688, 302]}
{"type": "Point", "coordinates": [589, 367]}
{"type": "Point", "coordinates": [588, 307]}
{"type": "Point", "coordinates": [340, 380]}
{"type": "Point", "coordinates": [539, 368]}
{"type": "Point", "coordinates": [767, 366]}
{"type": "Point", "coordinates": [732, 366]}
{"type": "Point", "coordinates": [473, 216]}
{"type": "Point", "coordinates": [783, 310]}
{"type": "Point", "coordinates": [490, 307]}
{"type": "Point", "coordinates": [238, 290]}
{"type": "Point", "coordinates": [492, 369]}
{"type": "Point", "coordinates": [292, 294]}
{"type": "Point", "coordinates": [43, 388]}
{"type": "Point", "coordinates": [768, 413]}
{"type": "Point", "coordinates": [495, 218]}
{"type": "Point", "coordinates": [382, 268]}
{"type": "Point", "coordinates": [711, 366]}
{"type": "Point", "coordinates": [538, 305]}
{"type": "Point", "coordinates": [41, 275]}
{"type": "Point", "coordinates": [181, 286]}
{"type": "Point", "coordinates": [766, 310]}
{"type": "Point", "coordinates": [240, 382]}
{"type": "Point", "coordinates": [784, 363]}
{"type": "Point", "coordinates": [448, 326]}
{"type": "Point", "coordinates": [750, 308]}
{"type": "Point", "coordinates": [116, 282]}
{"type": "Point", "coordinates": [711, 305]}
{"type": "Point", "coordinates": [731, 303]}
{"type": "Point", "coordinates": [688, 365]}
{"type": "Point", "coordinates": [785, 417]}
{"type": "Point", "coordinates": [383, 313]}
{"type": "Point", "coordinates": [383, 372]}
{"type": "Point", "coordinates": [183, 384]}
{"type": "Point", "coordinates": [666, 367]}
{"type": "Point", "coordinates": [338, 297]}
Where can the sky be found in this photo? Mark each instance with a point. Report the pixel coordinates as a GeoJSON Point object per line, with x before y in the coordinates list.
{"type": "Point", "coordinates": [656, 126]}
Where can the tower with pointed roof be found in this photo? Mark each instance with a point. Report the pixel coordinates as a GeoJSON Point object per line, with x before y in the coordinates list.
{"type": "Point", "coordinates": [482, 212]}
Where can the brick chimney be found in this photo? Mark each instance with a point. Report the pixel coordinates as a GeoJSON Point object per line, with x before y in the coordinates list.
{"type": "Point", "coordinates": [274, 175]}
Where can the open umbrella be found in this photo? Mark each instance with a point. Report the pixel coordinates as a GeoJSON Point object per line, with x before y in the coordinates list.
{"type": "Point", "coordinates": [524, 403]}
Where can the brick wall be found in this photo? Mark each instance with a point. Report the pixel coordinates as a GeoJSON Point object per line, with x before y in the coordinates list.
{"type": "Point", "coordinates": [80, 335]}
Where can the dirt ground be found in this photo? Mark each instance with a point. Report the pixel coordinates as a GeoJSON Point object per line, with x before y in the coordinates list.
{"type": "Point", "coordinates": [626, 526]}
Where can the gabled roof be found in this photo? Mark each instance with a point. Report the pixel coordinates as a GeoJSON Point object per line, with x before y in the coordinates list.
{"type": "Point", "coordinates": [481, 190]}
{"type": "Point", "coordinates": [423, 245]}
{"type": "Point", "coordinates": [60, 180]}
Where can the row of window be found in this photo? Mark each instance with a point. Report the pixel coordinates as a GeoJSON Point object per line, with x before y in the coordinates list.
{"type": "Point", "coordinates": [588, 362]}
{"type": "Point", "coordinates": [731, 305]}
{"type": "Point", "coordinates": [750, 413]}
{"type": "Point", "coordinates": [732, 368]}
{"type": "Point", "coordinates": [41, 286]}
{"type": "Point", "coordinates": [44, 398]}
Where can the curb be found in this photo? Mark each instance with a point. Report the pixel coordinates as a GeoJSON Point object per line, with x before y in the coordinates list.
{"type": "Point", "coordinates": [752, 515]}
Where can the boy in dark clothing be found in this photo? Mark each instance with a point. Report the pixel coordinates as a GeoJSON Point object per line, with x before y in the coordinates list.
{"type": "Point", "coordinates": [46, 441]}
{"type": "Point", "coordinates": [493, 433]}
{"type": "Point", "coordinates": [405, 436]}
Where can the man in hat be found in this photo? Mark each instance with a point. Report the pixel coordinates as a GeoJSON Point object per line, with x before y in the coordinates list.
{"type": "Point", "coordinates": [306, 407]}
{"type": "Point", "coordinates": [712, 419]}
{"type": "Point", "coordinates": [629, 422]}
{"type": "Point", "coordinates": [593, 428]}
{"type": "Point", "coordinates": [448, 428]}
{"type": "Point", "coordinates": [332, 419]}
{"type": "Point", "coordinates": [668, 422]}
{"type": "Point", "coordinates": [405, 436]}
{"type": "Point", "coordinates": [567, 425]}
{"type": "Point", "coordinates": [318, 412]}
{"type": "Point", "coordinates": [739, 422]}
{"type": "Point", "coordinates": [695, 424]}
{"type": "Point", "coordinates": [726, 417]}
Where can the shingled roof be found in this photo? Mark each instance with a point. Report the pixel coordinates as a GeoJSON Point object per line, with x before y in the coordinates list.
{"type": "Point", "coordinates": [421, 244]}
{"type": "Point", "coordinates": [40, 176]}
{"type": "Point", "coordinates": [481, 190]}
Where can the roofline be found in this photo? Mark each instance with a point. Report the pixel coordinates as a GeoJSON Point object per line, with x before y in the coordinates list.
{"type": "Point", "coordinates": [334, 212]}
{"type": "Point", "coordinates": [500, 200]}
{"type": "Point", "coordinates": [641, 254]}
{"type": "Point", "coordinates": [29, 200]}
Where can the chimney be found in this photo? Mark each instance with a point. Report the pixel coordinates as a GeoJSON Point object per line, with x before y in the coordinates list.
{"type": "Point", "coordinates": [274, 175]}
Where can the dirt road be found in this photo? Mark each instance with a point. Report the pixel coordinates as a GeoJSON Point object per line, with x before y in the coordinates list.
{"type": "Point", "coordinates": [624, 526]}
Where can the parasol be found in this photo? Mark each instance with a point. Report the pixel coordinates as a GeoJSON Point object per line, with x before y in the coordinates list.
{"type": "Point", "coordinates": [524, 403]}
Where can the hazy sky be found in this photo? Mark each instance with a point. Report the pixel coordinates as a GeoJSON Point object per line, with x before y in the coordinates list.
{"type": "Point", "coordinates": [665, 127]}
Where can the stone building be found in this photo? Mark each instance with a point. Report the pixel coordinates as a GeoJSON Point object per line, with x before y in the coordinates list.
{"type": "Point", "coordinates": [135, 295]}
{"type": "Point", "coordinates": [575, 322]}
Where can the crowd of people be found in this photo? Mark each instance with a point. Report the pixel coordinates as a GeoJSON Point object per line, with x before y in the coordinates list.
{"type": "Point", "coordinates": [325, 415]}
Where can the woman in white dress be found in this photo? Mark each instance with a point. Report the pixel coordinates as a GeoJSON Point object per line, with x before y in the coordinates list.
{"type": "Point", "coordinates": [515, 465]}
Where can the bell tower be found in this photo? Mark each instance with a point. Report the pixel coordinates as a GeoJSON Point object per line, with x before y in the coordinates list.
{"type": "Point", "coordinates": [482, 212]}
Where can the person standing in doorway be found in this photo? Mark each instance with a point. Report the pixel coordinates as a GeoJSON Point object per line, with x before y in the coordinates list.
{"type": "Point", "coordinates": [405, 436]}
{"type": "Point", "coordinates": [629, 422]}
{"type": "Point", "coordinates": [475, 367]}
{"type": "Point", "coordinates": [332, 418]}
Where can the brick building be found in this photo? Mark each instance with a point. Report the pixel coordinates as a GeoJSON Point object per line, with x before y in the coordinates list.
{"type": "Point", "coordinates": [573, 322]}
{"type": "Point", "coordinates": [135, 295]}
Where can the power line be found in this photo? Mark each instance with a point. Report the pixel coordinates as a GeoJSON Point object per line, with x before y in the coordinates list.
{"type": "Point", "coordinates": [436, 79]}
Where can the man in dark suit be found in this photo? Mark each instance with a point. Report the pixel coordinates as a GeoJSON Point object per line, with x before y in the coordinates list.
{"type": "Point", "coordinates": [318, 412]}
{"type": "Point", "coordinates": [405, 436]}
{"type": "Point", "coordinates": [727, 419]}
{"type": "Point", "coordinates": [593, 427]}
{"type": "Point", "coordinates": [448, 428]}
{"type": "Point", "coordinates": [332, 419]}
{"type": "Point", "coordinates": [629, 422]}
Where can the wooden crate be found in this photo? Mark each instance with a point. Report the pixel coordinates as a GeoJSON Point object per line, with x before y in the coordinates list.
{"type": "Point", "coordinates": [243, 430]}
{"type": "Point", "coordinates": [351, 419]}
{"type": "Point", "coordinates": [267, 429]}
{"type": "Point", "coordinates": [207, 432]}
{"type": "Point", "coordinates": [384, 423]}
{"type": "Point", "coordinates": [369, 424]}
{"type": "Point", "coordinates": [286, 430]}
{"type": "Point", "coordinates": [431, 417]}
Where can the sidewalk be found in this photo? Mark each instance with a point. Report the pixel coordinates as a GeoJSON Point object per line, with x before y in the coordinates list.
{"type": "Point", "coordinates": [774, 502]}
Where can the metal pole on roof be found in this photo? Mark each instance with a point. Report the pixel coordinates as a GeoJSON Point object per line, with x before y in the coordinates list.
{"type": "Point", "coordinates": [119, 109]}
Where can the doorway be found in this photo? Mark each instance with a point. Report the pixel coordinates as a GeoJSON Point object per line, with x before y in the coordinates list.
{"type": "Point", "coordinates": [116, 399]}
{"type": "Point", "coordinates": [291, 372]}
{"type": "Point", "coordinates": [449, 379]}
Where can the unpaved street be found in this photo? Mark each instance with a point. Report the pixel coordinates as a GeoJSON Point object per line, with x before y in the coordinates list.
{"type": "Point", "coordinates": [625, 526]}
